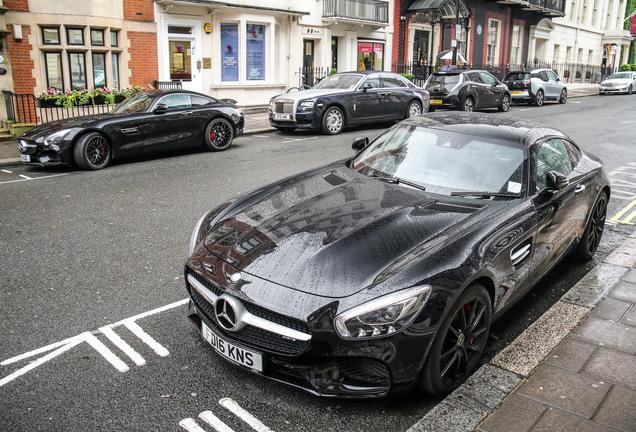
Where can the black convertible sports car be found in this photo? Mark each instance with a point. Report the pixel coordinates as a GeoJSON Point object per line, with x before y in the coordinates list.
{"type": "Point", "coordinates": [371, 275]}
{"type": "Point", "coordinates": [145, 123]}
{"type": "Point", "coordinates": [348, 98]}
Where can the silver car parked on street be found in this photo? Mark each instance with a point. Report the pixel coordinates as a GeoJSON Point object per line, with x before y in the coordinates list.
{"type": "Point", "coordinates": [620, 82]}
{"type": "Point", "coordinates": [536, 86]}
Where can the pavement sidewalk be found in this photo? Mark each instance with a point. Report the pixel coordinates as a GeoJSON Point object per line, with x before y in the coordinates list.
{"type": "Point", "coordinates": [258, 122]}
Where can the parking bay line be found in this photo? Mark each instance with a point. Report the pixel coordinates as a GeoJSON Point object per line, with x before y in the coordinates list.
{"type": "Point", "coordinates": [33, 178]}
{"type": "Point", "coordinates": [627, 220]}
{"type": "Point", "coordinates": [89, 337]}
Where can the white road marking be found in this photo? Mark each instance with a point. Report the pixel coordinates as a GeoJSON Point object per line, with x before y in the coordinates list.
{"type": "Point", "coordinates": [190, 425]}
{"type": "Point", "coordinates": [248, 418]}
{"type": "Point", "coordinates": [39, 362]}
{"type": "Point", "coordinates": [35, 178]}
{"type": "Point", "coordinates": [300, 139]}
{"type": "Point", "coordinates": [106, 352]}
{"type": "Point", "coordinates": [148, 340]}
{"type": "Point", "coordinates": [8, 172]}
{"type": "Point", "coordinates": [123, 345]}
{"type": "Point", "coordinates": [260, 136]}
{"type": "Point", "coordinates": [65, 345]}
{"type": "Point", "coordinates": [214, 421]}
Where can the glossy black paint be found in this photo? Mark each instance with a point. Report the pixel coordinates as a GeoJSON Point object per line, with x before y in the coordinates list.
{"type": "Point", "coordinates": [131, 134]}
{"type": "Point", "coordinates": [359, 105]}
{"type": "Point", "coordinates": [314, 245]}
{"type": "Point", "coordinates": [483, 95]}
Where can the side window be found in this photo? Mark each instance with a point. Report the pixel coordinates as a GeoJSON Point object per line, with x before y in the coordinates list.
{"type": "Point", "coordinates": [552, 76]}
{"type": "Point", "coordinates": [473, 76]}
{"type": "Point", "coordinates": [553, 155]}
{"type": "Point", "coordinates": [574, 153]}
{"type": "Point", "coordinates": [392, 82]}
{"type": "Point", "coordinates": [199, 101]}
{"type": "Point", "coordinates": [487, 78]}
{"type": "Point", "coordinates": [543, 76]}
{"type": "Point", "coordinates": [373, 80]}
{"type": "Point", "coordinates": [176, 102]}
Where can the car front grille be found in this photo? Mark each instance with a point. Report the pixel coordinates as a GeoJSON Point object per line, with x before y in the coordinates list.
{"type": "Point", "coordinates": [253, 336]}
{"type": "Point", "coordinates": [283, 107]}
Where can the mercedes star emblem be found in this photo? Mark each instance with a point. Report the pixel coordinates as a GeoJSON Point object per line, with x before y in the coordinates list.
{"type": "Point", "coordinates": [225, 314]}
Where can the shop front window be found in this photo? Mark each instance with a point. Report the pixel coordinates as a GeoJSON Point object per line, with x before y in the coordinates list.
{"type": "Point", "coordinates": [229, 48]}
{"type": "Point", "coordinates": [370, 56]}
{"type": "Point", "coordinates": [255, 50]}
{"type": "Point", "coordinates": [180, 60]}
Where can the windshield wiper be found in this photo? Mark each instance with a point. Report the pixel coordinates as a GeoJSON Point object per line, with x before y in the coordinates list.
{"type": "Point", "coordinates": [486, 194]}
{"type": "Point", "coordinates": [396, 180]}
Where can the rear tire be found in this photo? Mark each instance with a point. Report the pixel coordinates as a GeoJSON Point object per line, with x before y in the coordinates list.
{"type": "Point", "coordinates": [219, 135]}
{"type": "Point", "coordinates": [468, 104]}
{"type": "Point", "coordinates": [459, 343]}
{"type": "Point", "coordinates": [594, 231]}
{"type": "Point", "coordinates": [538, 99]}
{"type": "Point", "coordinates": [92, 152]}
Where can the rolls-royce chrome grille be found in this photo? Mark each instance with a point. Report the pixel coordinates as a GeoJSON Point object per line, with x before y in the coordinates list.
{"type": "Point", "coordinates": [283, 106]}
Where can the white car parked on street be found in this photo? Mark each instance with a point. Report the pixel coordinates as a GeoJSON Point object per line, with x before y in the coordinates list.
{"type": "Point", "coordinates": [620, 82]}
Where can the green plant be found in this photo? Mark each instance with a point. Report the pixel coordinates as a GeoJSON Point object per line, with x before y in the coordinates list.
{"type": "Point", "coordinates": [578, 74]}
{"type": "Point", "coordinates": [566, 73]}
{"type": "Point", "coordinates": [408, 76]}
{"type": "Point", "coordinates": [588, 74]}
{"type": "Point", "coordinates": [333, 71]}
{"type": "Point", "coordinates": [438, 65]}
{"type": "Point", "coordinates": [625, 67]}
{"type": "Point", "coordinates": [633, 66]}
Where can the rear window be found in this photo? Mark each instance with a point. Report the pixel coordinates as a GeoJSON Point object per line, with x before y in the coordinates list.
{"type": "Point", "coordinates": [444, 79]}
{"type": "Point", "coordinates": [517, 76]}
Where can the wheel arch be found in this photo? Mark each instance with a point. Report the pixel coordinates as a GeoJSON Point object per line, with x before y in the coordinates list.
{"type": "Point", "coordinates": [84, 132]}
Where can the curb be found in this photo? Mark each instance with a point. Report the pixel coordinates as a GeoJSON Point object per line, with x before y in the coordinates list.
{"type": "Point", "coordinates": [465, 408]}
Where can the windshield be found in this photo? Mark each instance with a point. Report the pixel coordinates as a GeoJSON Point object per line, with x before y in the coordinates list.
{"type": "Point", "coordinates": [136, 103]}
{"type": "Point", "coordinates": [339, 81]}
{"type": "Point", "coordinates": [623, 75]}
{"type": "Point", "coordinates": [445, 161]}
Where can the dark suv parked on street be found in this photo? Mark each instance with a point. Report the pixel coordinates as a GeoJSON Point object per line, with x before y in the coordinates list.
{"type": "Point", "coordinates": [536, 86]}
{"type": "Point", "coordinates": [467, 90]}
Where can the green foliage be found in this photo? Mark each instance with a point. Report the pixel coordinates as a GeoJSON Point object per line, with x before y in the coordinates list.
{"type": "Point", "coordinates": [333, 71]}
{"type": "Point", "coordinates": [438, 65]}
{"type": "Point", "coordinates": [625, 67]}
{"type": "Point", "coordinates": [408, 76]}
{"type": "Point", "coordinates": [633, 66]}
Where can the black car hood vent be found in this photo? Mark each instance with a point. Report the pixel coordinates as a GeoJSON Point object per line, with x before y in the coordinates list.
{"type": "Point", "coordinates": [451, 208]}
{"type": "Point", "coordinates": [333, 179]}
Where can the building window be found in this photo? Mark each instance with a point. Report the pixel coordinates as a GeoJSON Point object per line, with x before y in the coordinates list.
{"type": "Point", "coordinates": [97, 37]}
{"type": "Point", "coordinates": [517, 43]}
{"type": "Point", "coordinates": [370, 56]}
{"type": "Point", "coordinates": [255, 52]}
{"type": "Point", "coordinates": [573, 13]}
{"type": "Point", "coordinates": [461, 42]}
{"type": "Point", "coordinates": [50, 36]}
{"type": "Point", "coordinates": [75, 36]}
{"type": "Point", "coordinates": [584, 13]}
{"type": "Point", "coordinates": [594, 13]}
{"type": "Point", "coordinates": [113, 38]}
{"type": "Point", "coordinates": [77, 65]}
{"type": "Point", "coordinates": [115, 63]}
{"type": "Point", "coordinates": [492, 54]}
{"type": "Point", "coordinates": [53, 61]}
{"type": "Point", "coordinates": [230, 50]}
{"type": "Point", "coordinates": [99, 70]}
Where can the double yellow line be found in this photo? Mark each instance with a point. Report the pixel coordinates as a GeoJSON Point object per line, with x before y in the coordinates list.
{"type": "Point", "coordinates": [620, 214]}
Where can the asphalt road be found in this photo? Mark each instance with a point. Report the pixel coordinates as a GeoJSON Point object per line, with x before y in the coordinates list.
{"type": "Point", "coordinates": [85, 253]}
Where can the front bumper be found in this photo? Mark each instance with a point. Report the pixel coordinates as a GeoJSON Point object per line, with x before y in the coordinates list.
{"type": "Point", "coordinates": [36, 154]}
{"type": "Point", "coordinates": [603, 90]}
{"type": "Point", "coordinates": [326, 365]}
{"type": "Point", "coordinates": [298, 121]}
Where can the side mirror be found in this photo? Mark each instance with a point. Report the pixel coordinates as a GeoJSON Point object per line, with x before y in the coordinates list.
{"type": "Point", "coordinates": [359, 144]}
{"type": "Point", "coordinates": [366, 86]}
{"type": "Point", "coordinates": [555, 181]}
{"type": "Point", "coordinates": [161, 109]}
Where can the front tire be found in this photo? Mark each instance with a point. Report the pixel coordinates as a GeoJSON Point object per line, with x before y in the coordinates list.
{"type": "Point", "coordinates": [468, 104]}
{"type": "Point", "coordinates": [505, 103]}
{"type": "Point", "coordinates": [333, 121]}
{"type": "Point", "coordinates": [594, 230]}
{"type": "Point", "coordinates": [414, 109]}
{"type": "Point", "coordinates": [629, 90]}
{"type": "Point", "coordinates": [564, 96]}
{"type": "Point", "coordinates": [538, 99]}
{"type": "Point", "coordinates": [92, 152]}
{"type": "Point", "coordinates": [219, 135]}
{"type": "Point", "coordinates": [459, 343]}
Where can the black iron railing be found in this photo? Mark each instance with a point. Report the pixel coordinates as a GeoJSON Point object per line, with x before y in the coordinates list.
{"type": "Point", "coordinates": [308, 76]}
{"type": "Point", "coordinates": [167, 85]}
{"type": "Point", "coordinates": [360, 10]}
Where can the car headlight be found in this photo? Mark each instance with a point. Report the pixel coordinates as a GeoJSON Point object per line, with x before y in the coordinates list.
{"type": "Point", "coordinates": [305, 106]}
{"type": "Point", "coordinates": [271, 105]}
{"type": "Point", "coordinates": [383, 316]}
{"type": "Point", "coordinates": [56, 138]}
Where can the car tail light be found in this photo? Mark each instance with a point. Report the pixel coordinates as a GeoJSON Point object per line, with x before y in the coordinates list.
{"type": "Point", "coordinates": [526, 82]}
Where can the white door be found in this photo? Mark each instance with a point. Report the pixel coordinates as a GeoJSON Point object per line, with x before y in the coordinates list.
{"type": "Point", "coordinates": [182, 43]}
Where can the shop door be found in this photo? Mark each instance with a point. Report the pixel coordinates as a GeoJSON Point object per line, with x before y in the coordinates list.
{"type": "Point", "coordinates": [308, 62]}
{"type": "Point", "coordinates": [420, 47]}
{"type": "Point", "coordinates": [184, 57]}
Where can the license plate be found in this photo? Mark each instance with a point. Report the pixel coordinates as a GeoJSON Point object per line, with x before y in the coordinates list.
{"type": "Point", "coordinates": [515, 92]}
{"type": "Point", "coordinates": [436, 101]}
{"type": "Point", "coordinates": [231, 352]}
{"type": "Point", "coordinates": [25, 158]}
{"type": "Point", "coordinates": [282, 116]}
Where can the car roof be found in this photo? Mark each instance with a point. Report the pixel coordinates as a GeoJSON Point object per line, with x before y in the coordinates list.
{"type": "Point", "coordinates": [458, 71]}
{"type": "Point", "coordinates": [522, 131]}
{"type": "Point", "coordinates": [180, 91]}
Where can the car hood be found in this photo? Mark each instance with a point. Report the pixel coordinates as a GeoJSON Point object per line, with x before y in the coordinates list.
{"type": "Point", "coordinates": [46, 129]}
{"type": "Point", "coordinates": [310, 94]}
{"type": "Point", "coordinates": [333, 232]}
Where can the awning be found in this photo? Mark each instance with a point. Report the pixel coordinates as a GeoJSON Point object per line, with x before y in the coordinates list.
{"type": "Point", "coordinates": [215, 4]}
{"type": "Point", "coordinates": [444, 8]}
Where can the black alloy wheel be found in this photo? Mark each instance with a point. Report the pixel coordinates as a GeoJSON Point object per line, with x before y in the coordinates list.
{"type": "Point", "coordinates": [468, 104]}
{"type": "Point", "coordinates": [92, 151]}
{"type": "Point", "coordinates": [219, 135]}
{"type": "Point", "coordinates": [564, 96]}
{"type": "Point", "coordinates": [594, 230]}
{"type": "Point", "coordinates": [460, 342]}
{"type": "Point", "coordinates": [538, 99]}
{"type": "Point", "coordinates": [505, 103]}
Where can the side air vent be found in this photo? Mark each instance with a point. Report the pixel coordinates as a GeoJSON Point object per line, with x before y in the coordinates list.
{"type": "Point", "coordinates": [521, 252]}
{"type": "Point", "coordinates": [333, 179]}
{"type": "Point", "coordinates": [451, 208]}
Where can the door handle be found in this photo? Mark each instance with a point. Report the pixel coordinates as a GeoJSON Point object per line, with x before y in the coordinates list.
{"type": "Point", "coordinates": [187, 113]}
{"type": "Point", "coordinates": [579, 189]}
